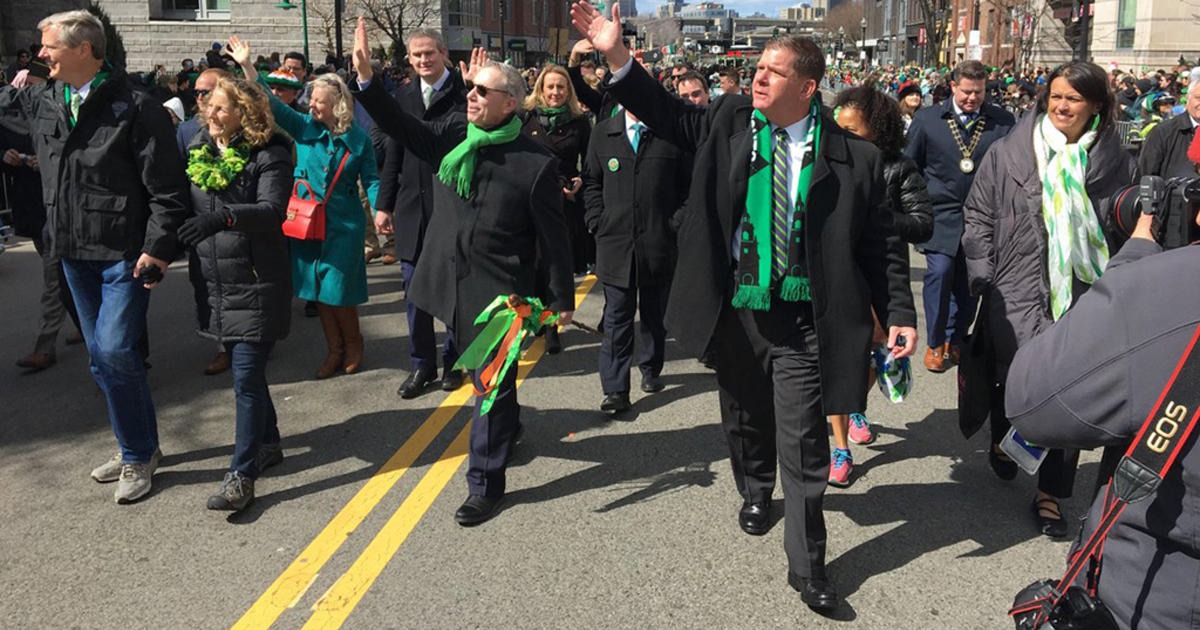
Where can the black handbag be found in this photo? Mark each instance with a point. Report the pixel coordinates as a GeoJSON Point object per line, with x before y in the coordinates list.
{"type": "Point", "coordinates": [976, 376]}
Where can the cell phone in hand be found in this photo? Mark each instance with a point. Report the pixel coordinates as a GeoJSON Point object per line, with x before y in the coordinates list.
{"type": "Point", "coordinates": [149, 275]}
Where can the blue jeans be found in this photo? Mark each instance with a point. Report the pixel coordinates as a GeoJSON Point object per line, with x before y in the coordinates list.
{"type": "Point", "coordinates": [256, 420]}
{"type": "Point", "coordinates": [112, 316]}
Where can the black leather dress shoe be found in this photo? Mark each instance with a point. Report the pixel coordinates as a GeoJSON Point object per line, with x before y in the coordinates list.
{"type": "Point", "coordinates": [816, 594]}
{"type": "Point", "coordinates": [651, 384]}
{"type": "Point", "coordinates": [754, 517]}
{"type": "Point", "coordinates": [416, 384]}
{"type": "Point", "coordinates": [452, 380]}
{"type": "Point", "coordinates": [615, 403]}
{"type": "Point", "coordinates": [477, 509]}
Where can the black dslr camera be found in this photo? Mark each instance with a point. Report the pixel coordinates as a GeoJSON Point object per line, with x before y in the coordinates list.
{"type": "Point", "coordinates": [1076, 610]}
{"type": "Point", "coordinates": [1174, 203]}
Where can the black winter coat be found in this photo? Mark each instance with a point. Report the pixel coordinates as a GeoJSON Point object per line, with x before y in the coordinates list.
{"type": "Point", "coordinates": [855, 259]}
{"type": "Point", "coordinates": [1005, 235]}
{"type": "Point", "coordinates": [113, 185]}
{"type": "Point", "coordinates": [631, 201]}
{"type": "Point", "coordinates": [246, 267]}
{"type": "Point", "coordinates": [908, 196]}
{"type": "Point", "coordinates": [1164, 153]}
{"type": "Point", "coordinates": [932, 147]}
{"type": "Point", "coordinates": [509, 236]}
{"type": "Point", "coordinates": [568, 143]}
{"type": "Point", "coordinates": [406, 181]}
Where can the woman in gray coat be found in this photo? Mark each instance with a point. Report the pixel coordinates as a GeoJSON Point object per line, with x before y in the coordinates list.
{"type": "Point", "coordinates": [1034, 239]}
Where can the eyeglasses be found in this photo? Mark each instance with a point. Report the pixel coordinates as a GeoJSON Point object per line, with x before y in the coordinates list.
{"type": "Point", "coordinates": [202, 93]}
{"type": "Point", "coordinates": [482, 90]}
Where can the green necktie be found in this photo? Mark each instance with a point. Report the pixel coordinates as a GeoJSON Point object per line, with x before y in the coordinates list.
{"type": "Point", "coordinates": [76, 101]}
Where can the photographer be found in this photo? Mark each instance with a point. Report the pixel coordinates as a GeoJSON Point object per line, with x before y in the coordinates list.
{"type": "Point", "coordinates": [1090, 380]}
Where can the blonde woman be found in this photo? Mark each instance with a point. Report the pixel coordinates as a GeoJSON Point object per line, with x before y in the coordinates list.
{"type": "Point", "coordinates": [331, 272]}
{"type": "Point", "coordinates": [241, 175]}
{"type": "Point", "coordinates": [553, 117]}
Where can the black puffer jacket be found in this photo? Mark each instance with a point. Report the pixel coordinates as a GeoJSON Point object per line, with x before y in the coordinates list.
{"type": "Point", "coordinates": [909, 199]}
{"type": "Point", "coordinates": [246, 267]}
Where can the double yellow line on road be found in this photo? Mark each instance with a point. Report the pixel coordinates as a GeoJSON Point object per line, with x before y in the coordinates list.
{"type": "Point", "coordinates": [332, 609]}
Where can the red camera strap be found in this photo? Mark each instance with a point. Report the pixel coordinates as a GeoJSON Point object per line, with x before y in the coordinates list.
{"type": "Point", "coordinates": [1141, 470]}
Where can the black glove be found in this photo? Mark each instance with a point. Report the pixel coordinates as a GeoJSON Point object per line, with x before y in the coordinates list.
{"type": "Point", "coordinates": [202, 226]}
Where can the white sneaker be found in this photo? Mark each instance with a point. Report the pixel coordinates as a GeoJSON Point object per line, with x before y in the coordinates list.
{"type": "Point", "coordinates": [134, 482]}
{"type": "Point", "coordinates": [110, 470]}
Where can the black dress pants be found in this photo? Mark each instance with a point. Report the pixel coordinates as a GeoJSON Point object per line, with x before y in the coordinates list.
{"type": "Point", "coordinates": [769, 386]}
{"type": "Point", "coordinates": [492, 437]}
{"type": "Point", "coordinates": [1056, 477]}
{"type": "Point", "coordinates": [616, 351]}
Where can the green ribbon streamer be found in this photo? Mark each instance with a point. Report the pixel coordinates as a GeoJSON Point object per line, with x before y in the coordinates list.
{"type": "Point", "coordinates": [499, 319]}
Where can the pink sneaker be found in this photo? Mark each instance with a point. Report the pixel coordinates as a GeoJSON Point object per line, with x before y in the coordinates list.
{"type": "Point", "coordinates": [860, 432]}
{"type": "Point", "coordinates": [840, 465]}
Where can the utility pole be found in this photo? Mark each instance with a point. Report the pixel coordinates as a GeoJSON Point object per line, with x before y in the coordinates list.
{"type": "Point", "coordinates": [337, 30]}
{"type": "Point", "coordinates": [503, 17]}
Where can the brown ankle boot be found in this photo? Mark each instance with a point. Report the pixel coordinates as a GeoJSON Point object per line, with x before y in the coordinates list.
{"type": "Point", "coordinates": [333, 341]}
{"type": "Point", "coordinates": [347, 317]}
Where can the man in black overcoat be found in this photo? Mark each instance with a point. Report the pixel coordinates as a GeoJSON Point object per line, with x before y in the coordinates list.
{"type": "Point", "coordinates": [633, 184]}
{"type": "Point", "coordinates": [942, 141]}
{"type": "Point", "coordinates": [506, 234]}
{"type": "Point", "coordinates": [783, 362]}
{"type": "Point", "coordinates": [406, 203]}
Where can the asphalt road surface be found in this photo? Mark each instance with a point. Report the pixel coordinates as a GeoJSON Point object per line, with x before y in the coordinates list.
{"type": "Point", "coordinates": [609, 523]}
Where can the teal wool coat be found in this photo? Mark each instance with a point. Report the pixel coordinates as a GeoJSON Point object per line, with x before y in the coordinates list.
{"type": "Point", "coordinates": [332, 271]}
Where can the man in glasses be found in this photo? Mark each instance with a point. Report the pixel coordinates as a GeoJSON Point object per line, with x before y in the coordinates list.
{"type": "Point", "coordinates": [499, 230]}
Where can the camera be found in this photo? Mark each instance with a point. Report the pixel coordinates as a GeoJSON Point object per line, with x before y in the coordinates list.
{"type": "Point", "coordinates": [1174, 203]}
{"type": "Point", "coordinates": [1075, 610]}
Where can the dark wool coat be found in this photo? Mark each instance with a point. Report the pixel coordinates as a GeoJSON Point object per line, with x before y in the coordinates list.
{"type": "Point", "coordinates": [509, 236]}
{"type": "Point", "coordinates": [406, 181]}
{"type": "Point", "coordinates": [246, 267]}
{"type": "Point", "coordinates": [932, 147]}
{"type": "Point", "coordinates": [1164, 153]}
{"type": "Point", "coordinates": [855, 259]}
{"type": "Point", "coordinates": [113, 185]}
{"type": "Point", "coordinates": [631, 202]}
{"type": "Point", "coordinates": [1005, 237]}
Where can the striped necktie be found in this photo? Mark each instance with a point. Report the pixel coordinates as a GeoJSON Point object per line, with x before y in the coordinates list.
{"type": "Point", "coordinates": [780, 204]}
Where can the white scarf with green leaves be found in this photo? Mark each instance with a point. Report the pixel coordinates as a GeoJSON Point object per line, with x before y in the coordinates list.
{"type": "Point", "coordinates": [1075, 242]}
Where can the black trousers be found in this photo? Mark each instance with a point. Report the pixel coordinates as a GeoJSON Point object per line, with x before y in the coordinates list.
{"type": "Point", "coordinates": [616, 351]}
{"type": "Point", "coordinates": [769, 387]}
{"type": "Point", "coordinates": [1056, 477]}
{"type": "Point", "coordinates": [492, 437]}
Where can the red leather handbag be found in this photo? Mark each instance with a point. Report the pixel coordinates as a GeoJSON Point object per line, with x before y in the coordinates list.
{"type": "Point", "coordinates": [305, 219]}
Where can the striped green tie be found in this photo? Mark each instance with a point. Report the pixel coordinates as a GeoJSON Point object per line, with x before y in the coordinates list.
{"type": "Point", "coordinates": [780, 204]}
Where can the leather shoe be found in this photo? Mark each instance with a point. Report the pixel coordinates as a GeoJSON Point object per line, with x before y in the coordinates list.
{"type": "Point", "coordinates": [952, 354]}
{"type": "Point", "coordinates": [553, 343]}
{"type": "Point", "coordinates": [651, 384]}
{"type": "Point", "coordinates": [370, 255]}
{"type": "Point", "coordinates": [754, 518]}
{"type": "Point", "coordinates": [452, 380]}
{"type": "Point", "coordinates": [219, 364]}
{"type": "Point", "coordinates": [615, 403]}
{"type": "Point", "coordinates": [389, 259]}
{"type": "Point", "coordinates": [415, 384]}
{"type": "Point", "coordinates": [937, 360]}
{"type": "Point", "coordinates": [817, 594]}
{"type": "Point", "coordinates": [477, 509]}
{"type": "Point", "coordinates": [36, 361]}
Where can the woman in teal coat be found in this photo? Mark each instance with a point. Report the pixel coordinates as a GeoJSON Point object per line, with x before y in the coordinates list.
{"type": "Point", "coordinates": [331, 272]}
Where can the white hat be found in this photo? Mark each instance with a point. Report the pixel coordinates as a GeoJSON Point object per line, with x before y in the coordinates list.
{"type": "Point", "coordinates": [176, 106]}
{"type": "Point", "coordinates": [1195, 78]}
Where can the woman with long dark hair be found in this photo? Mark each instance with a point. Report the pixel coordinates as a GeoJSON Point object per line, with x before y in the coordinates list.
{"type": "Point", "coordinates": [1034, 240]}
{"type": "Point", "coordinates": [241, 175]}
{"type": "Point", "coordinates": [876, 117]}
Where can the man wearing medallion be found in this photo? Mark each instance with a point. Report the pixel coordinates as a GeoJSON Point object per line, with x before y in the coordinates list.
{"type": "Point", "coordinates": [947, 142]}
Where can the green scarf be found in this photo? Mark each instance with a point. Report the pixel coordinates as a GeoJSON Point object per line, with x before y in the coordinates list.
{"type": "Point", "coordinates": [1075, 245]}
{"type": "Point", "coordinates": [754, 262]}
{"type": "Point", "coordinates": [458, 166]}
{"type": "Point", "coordinates": [551, 118]}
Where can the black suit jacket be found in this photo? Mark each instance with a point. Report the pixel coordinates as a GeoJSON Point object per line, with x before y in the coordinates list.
{"type": "Point", "coordinates": [855, 259]}
{"type": "Point", "coordinates": [509, 236]}
{"type": "Point", "coordinates": [631, 200]}
{"type": "Point", "coordinates": [1165, 151]}
{"type": "Point", "coordinates": [932, 147]}
{"type": "Point", "coordinates": [405, 187]}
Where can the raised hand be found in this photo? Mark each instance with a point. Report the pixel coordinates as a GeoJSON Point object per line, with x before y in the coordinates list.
{"type": "Point", "coordinates": [578, 51]}
{"type": "Point", "coordinates": [362, 52]}
{"type": "Point", "coordinates": [479, 59]}
{"type": "Point", "coordinates": [239, 50]}
{"type": "Point", "coordinates": [604, 33]}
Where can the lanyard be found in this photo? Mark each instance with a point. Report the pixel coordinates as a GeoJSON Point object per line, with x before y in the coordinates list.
{"type": "Point", "coordinates": [100, 77]}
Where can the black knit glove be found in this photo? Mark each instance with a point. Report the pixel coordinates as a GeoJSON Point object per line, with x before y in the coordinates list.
{"type": "Point", "coordinates": [202, 226]}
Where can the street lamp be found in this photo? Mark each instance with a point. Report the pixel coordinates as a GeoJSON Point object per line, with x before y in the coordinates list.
{"type": "Point", "coordinates": [287, 6]}
{"type": "Point", "coordinates": [862, 45]}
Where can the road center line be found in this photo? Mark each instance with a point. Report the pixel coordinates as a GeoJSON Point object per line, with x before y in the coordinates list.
{"type": "Point", "coordinates": [288, 588]}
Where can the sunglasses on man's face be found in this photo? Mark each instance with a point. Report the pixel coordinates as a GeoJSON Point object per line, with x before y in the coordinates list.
{"type": "Point", "coordinates": [482, 90]}
{"type": "Point", "coordinates": [202, 93]}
